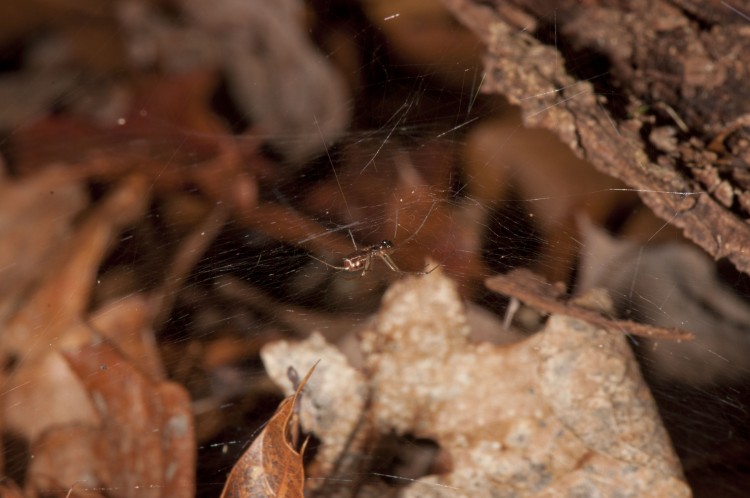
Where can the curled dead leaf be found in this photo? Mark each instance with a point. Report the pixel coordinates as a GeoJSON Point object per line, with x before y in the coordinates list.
{"type": "Point", "coordinates": [332, 410]}
{"type": "Point", "coordinates": [272, 467]}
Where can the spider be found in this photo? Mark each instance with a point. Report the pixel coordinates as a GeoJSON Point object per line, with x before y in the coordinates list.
{"type": "Point", "coordinates": [361, 259]}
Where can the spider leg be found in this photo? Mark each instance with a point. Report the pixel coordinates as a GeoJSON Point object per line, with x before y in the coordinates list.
{"type": "Point", "coordinates": [389, 262]}
{"type": "Point", "coordinates": [367, 264]}
{"type": "Point", "coordinates": [351, 235]}
{"type": "Point", "coordinates": [343, 268]}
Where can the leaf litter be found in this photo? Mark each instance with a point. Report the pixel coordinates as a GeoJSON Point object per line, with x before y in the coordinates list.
{"type": "Point", "coordinates": [144, 165]}
{"type": "Point", "coordinates": [272, 466]}
{"type": "Point", "coordinates": [561, 412]}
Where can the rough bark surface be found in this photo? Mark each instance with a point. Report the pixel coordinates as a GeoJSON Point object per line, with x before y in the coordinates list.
{"type": "Point", "coordinates": [651, 92]}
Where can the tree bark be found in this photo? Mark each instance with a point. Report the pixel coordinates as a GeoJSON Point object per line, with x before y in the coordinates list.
{"type": "Point", "coordinates": [652, 92]}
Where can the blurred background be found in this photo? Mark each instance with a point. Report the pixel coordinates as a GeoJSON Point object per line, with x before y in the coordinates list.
{"type": "Point", "coordinates": [178, 175]}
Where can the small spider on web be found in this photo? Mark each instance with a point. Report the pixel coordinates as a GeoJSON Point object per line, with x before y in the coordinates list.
{"type": "Point", "coordinates": [362, 259]}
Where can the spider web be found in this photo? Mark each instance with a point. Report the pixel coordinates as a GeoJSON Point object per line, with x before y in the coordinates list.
{"type": "Point", "coordinates": [399, 174]}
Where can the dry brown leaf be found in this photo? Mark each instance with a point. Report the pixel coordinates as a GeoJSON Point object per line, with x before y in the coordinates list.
{"type": "Point", "coordinates": [178, 441]}
{"type": "Point", "coordinates": [126, 322]}
{"type": "Point", "coordinates": [65, 455]}
{"type": "Point", "coordinates": [109, 425]}
{"type": "Point", "coordinates": [566, 407]}
{"type": "Point", "coordinates": [167, 107]}
{"type": "Point", "coordinates": [60, 301]}
{"type": "Point", "coordinates": [145, 440]}
{"type": "Point", "coordinates": [48, 202]}
{"type": "Point", "coordinates": [139, 441]}
{"type": "Point", "coordinates": [193, 148]}
{"type": "Point", "coordinates": [271, 467]}
{"type": "Point", "coordinates": [44, 393]}
{"type": "Point", "coordinates": [41, 390]}
{"type": "Point", "coordinates": [333, 408]}
{"type": "Point", "coordinates": [563, 410]}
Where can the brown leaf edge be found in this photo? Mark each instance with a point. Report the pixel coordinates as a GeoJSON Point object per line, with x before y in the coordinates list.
{"type": "Point", "coordinates": [271, 467]}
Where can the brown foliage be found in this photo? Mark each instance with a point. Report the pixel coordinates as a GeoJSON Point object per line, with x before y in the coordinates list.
{"type": "Point", "coordinates": [272, 467]}
{"type": "Point", "coordinates": [170, 164]}
{"type": "Point", "coordinates": [564, 408]}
